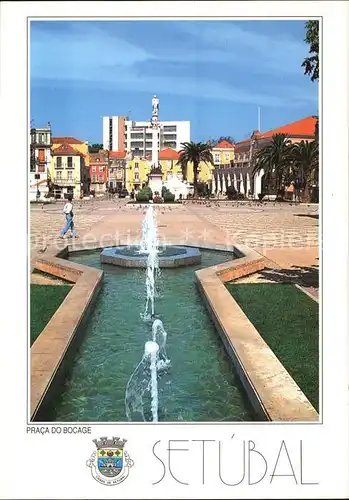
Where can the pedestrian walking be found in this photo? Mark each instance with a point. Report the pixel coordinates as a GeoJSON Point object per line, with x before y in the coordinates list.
{"type": "Point", "coordinates": [69, 222]}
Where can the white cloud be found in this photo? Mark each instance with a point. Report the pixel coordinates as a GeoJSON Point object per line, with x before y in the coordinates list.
{"type": "Point", "coordinates": [278, 54]}
{"type": "Point", "coordinates": [91, 55]}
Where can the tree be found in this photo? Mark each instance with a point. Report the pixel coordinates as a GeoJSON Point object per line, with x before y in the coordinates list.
{"type": "Point", "coordinates": [273, 159]}
{"type": "Point", "coordinates": [184, 168]}
{"type": "Point", "coordinates": [95, 148]}
{"type": "Point", "coordinates": [311, 63]}
{"type": "Point", "coordinates": [195, 152]}
{"type": "Point", "coordinates": [214, 142]}
{"type": "Point", "coordinates": [317, 131]}
{"type": "Point", "coordinates": [304, 161]}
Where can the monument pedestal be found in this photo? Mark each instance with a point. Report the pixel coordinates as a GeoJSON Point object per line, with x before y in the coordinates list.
{"type": "Point", "coordinates": [155, 180]}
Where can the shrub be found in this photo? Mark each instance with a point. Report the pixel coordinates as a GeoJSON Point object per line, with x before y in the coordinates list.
{"type": "Point", "coordinates": [148, 191]}
{"type": "Point", "coordinates": [168, 197]}
{"type": "Point", "coordinates": [145, 194]}
{"type": "Point", "coordinates": [141, 196]}
{"type": "Point", "coordinates": [202, 189]}
{"type": "Point", "coordinates": [232, 194]}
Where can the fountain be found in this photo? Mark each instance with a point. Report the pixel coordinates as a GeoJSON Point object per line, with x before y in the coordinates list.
{"type": "Point", "coordinates": [149, 253]}
{"type": "Point", "coordinates": [144, 380]}
{"type": "Point", "coordinates": [149, 232]}
{"type": "Point", "coordinates": [197, 385]}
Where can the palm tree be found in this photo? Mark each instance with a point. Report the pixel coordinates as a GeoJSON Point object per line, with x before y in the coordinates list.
{"type": "Point", "coordinates": [195, 152]}
{"type": "Point", "coordinates": [304, 157]}
{"type": "Point", "coordinates": [273, 158]}
{"type": "Point", "coordinates": [184, 168]}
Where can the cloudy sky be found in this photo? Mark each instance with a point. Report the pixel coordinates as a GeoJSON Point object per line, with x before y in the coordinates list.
{"type": "Point", "coordinates": [213, 73]}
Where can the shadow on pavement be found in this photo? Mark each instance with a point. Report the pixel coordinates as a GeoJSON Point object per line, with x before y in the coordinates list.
{"type": "Point", "coordinates": [303, 276]}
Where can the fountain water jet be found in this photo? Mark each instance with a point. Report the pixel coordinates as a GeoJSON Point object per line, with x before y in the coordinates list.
{"type": "Point", "coordinates": [154, 361]}
{"type": "Point", "coordinates": [150, 246]}
{"type": "Point", "coordinates": [151, 349]}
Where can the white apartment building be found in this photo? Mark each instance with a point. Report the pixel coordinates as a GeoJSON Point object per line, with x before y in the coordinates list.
{"type": "Point", "coordinates": [121, 134]}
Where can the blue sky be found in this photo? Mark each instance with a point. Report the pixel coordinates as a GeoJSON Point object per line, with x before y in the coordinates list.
{"type": "Point", "coordinates": [213, 73]}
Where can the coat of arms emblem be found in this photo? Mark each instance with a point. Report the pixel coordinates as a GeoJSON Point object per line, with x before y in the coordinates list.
{"type": "Point", "coordinates": [110, 463]}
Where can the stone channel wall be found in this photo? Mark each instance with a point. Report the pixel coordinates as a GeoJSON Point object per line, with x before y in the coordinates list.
{"type": "Point", "coordinates": [273, 393]}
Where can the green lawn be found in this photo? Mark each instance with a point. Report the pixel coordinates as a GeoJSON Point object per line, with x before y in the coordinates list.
{"type": "Point", "coordinates": [44, 301]}
{"type": "Point", "coordinates": [288, 321]}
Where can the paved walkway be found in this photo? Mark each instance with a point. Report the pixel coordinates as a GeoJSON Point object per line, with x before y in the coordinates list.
{"type": "Point", "coordinates": [287, 235]}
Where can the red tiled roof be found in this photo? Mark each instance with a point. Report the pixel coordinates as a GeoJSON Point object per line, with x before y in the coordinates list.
{"type": "Point", "coordinates": [168, 154]}
{"type": "Point", "coordinates": [66, 140]}
{"type": "Point", "coordinates": [66, 149]}
{"type": "Point", "coordinates": [300, 128]}
{"type": "Point", "coordinates": [304, 127]}
{"type": "Point", "coordinates": [224, 145]}
{"type": "Point", "coordinates": [98, 158]}
{"type": "Point", "coordinates": [117, 154]}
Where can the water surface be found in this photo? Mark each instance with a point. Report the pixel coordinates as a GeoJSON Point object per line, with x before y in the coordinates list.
{"type": "Point", "coordinates": [200, 385]}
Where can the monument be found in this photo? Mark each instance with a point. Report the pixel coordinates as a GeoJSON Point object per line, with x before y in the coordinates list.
{"type": "Point", "coordinates": [173, 183]}
{"type": "Point", "coordinates": [155, 175]}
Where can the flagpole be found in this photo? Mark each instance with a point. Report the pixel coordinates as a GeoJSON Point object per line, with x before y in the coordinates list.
{"type": "Point", "coordinates": [259, 118]}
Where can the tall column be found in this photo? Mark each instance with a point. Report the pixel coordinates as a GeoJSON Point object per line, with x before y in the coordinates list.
{"type": "Point", "coordinates": [155, 151]}
{"type": "Point", "coordinates": [155, 126]}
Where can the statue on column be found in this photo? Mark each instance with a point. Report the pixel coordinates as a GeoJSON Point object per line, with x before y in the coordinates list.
{"type": "Point", "coordinates": [155, 104]}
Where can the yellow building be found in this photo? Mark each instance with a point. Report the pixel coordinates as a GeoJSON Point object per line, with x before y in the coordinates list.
{"type": "Point", "coordinates": [168, 160]}
{"type": "Point", "coordinates": [137, 169]}
{"type": "Point", "coordinates": [223, 154]}
{"type": "Point", "coordinates": [69, 172]}
{"type": "Point", "coordinates": [137, 172]}
{"type": "Point", "coordinates": [133, 173]}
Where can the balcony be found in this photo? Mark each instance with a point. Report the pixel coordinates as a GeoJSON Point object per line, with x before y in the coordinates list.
{"type": "Point", "coordinates": [65, 181]}
{"type": "Point", "coordinates": [64, 166]}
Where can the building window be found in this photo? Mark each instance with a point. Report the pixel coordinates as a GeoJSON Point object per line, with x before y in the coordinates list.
{"type": "Point", "coordinates": [41, 155]}
{"type": "Point", "coordinates": [136, 176]}
{"type": "Point", "coordinates": [170, 128]}
{"type": "Point", "coordinates": [70, 162]}
{"type": "Point", "coordinates": [41, 168]}
{"type": "Point", "coordinates": [70, 176]}
{"type": "Point", "coordinates": [136, 166]}
{"type": "Point", "coordinates": [216, 158]}
{"type": "Point", "coordinates": [227, 156]}
{"type": "Point", "coordinates": [59, 162]}
{"type": "Point", "coordinates": [101, 169]}
{"type": "Point", "coordinates": [59, 175]}
{"type": "Point", "coordinates": [100, 178]}
{"type": "Point", "coordinates": [170, 137]}
{"type": "Point", "coordinates": [169, 144]}
{"type": "Point", "coordinates": [93, 178]}
{"type": "Point", "coordinates": [93, 169]}
{"type": "Point", "coordinates": [169, 163]}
